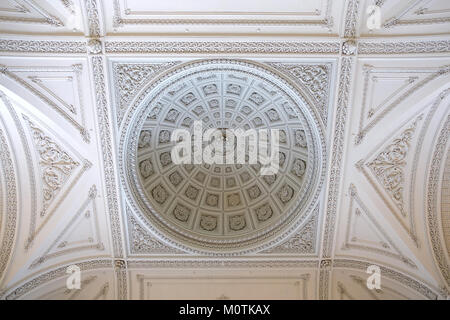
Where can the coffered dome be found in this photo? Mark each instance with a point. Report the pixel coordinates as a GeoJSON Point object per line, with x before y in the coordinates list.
{"type": "Point", "coordinates": [224, 208]}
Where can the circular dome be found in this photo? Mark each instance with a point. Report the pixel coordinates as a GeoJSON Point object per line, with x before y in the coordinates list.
{"type": "Point", "coordinates": [221, 208]}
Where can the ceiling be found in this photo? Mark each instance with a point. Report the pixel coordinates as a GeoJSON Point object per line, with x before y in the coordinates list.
{"type": "Point", "coordinates": [90, 91]}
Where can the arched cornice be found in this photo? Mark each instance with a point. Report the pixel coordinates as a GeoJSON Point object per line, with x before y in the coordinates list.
{"type": "Point", "coordinates": [9, 212]}
{"type": "Point", "coordinates": [420, 287]}
{"type": "Point", "coordinates": [18, 290]}
{"type": "Point", "coordinates": [432, 200]}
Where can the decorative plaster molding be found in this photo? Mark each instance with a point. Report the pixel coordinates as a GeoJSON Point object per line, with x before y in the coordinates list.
{"type": "Point", "coordinates": [415, 163]}
{"type": "Point", "coordinates": [373, 293]}
{"type": "Point", "coordinates": [220, 263]}
{"type": "Point", "coordinates": [107, 153]}
{"type": "Point", "coordinates": [324, 278]}
{"type": "Point", "coordinates": [87, 244]}
{"type": "Point", "coordinates": [365, 47]}
{"type": "Point", "coordinates": [106, 141]}
{"type": "Point", "coordinates": [69, 5]}
{"type": "Point", "coordinates": [351, 19]}
{"type": "Point", "coordinates": [10, 211]}
{"type": "Point", "coordinates": [444, 205]}
{"type": "Point", "coordinates": [301, 282]}
{"type": "Point", "coordinates": [384, 168]}
{"type": "Point", "coordinates": [386, 242]}
{"type": "Point", "coordinates": [27, 151]}
{"type": "Point", "coordinates": [69, 294]}
{"type": "Point", "coordinates": [434, 228]}
{"type": "Point", "coordinates": [377, 75]}
{"type": "Point", "coordinates": [389, 164]}
{"type": "Point", "coordinates": [326, 23]}
{"type": "Point", "coordinates": [94, 46]}
{"type": "Point", "coordinates": [397, 21]}
{"type": "Point", "coordinates": [251, 47]}
{"type": "Point", "coordinates": [56, 168]}
{"type": "Point", "coordinates": [141, 242]}
{"type": "Point", "coordinates": [336, 154]}
{"type": "Point", "coordinates": [55, 164]}
{"type": "Point", "coordinates": [370, 47]}
{"type": "Point", "coordinates": [130, 78]}
{"type": "Point", "coordinates": [349, 47]}
{"type": "Point", "coordinates": [120, 269]}
{"type": "Point", "coordinates": [42, 46]}
{"type": "Point", "coordinates": [314, 78]}
{"type": "Point", "coordinates": [302, 242]}
{"type": "Point", "coordinates": [93, 18]}
{"type": "Point", "coordinates": [219, 246]}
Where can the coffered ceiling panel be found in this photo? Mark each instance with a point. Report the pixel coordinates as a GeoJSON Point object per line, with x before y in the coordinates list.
{"type": "Point", "coordinates": [213, 17]}
{"type": "Point", "coordinates": [385, 167]}
{"type": "Point", "coordinates": [222, 284]}
{"type": "Point", "coordinates": [409, 17]}
{"type": "Point", "coordinates": [41, 16]}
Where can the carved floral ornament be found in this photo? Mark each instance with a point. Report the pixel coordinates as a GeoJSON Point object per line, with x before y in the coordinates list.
{"type": "Point", "coordinates": [220, 208]}
{"type": "Point", "coordinates": [94, 46]}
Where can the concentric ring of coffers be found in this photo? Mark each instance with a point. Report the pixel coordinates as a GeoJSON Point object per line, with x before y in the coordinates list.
{"type": "Point", "coordinates": [221, 208]}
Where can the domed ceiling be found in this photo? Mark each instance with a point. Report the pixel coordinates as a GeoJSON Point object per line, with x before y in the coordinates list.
{"type": "Point", "coordinates": [229, 207]}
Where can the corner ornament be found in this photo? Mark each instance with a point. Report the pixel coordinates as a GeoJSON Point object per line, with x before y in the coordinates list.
{"type": "Point", "coordinates": [349, 48]}
{"type": "Point", "coordinates": [94, 46]}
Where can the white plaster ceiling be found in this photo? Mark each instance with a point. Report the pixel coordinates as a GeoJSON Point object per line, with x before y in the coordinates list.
{"type": "Point", "coordinates": [377, 103]}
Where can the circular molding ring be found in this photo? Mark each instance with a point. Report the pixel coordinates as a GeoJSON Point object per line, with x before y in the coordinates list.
{"type": "Point", "coordinates": [221, 209]}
